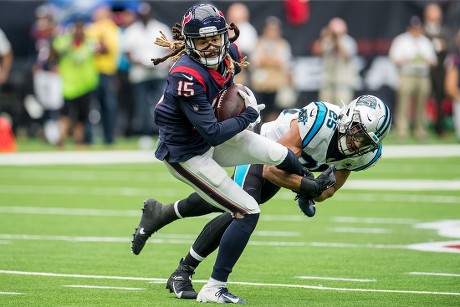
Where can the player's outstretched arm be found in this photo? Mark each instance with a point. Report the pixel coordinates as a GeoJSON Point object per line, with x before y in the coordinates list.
{"type": "Point", "coordinates": [341, 177]}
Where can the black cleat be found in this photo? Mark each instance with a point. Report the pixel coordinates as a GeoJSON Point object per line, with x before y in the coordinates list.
{"type": "Point", "coordinates": [147, 226]}
{"type": "Point", "coordinates": [180, 282]}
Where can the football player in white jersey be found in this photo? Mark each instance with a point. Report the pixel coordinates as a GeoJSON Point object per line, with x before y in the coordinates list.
{"type": "Point", "coordinates": [325, 138]}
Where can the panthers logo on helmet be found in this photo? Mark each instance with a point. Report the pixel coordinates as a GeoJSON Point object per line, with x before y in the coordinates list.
{"type": "Point", "coordinates": [303, 116]}
{"type": "Point", "coordinates": [367, 100]}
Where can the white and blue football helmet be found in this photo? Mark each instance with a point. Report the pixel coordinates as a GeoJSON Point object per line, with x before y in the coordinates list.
{"type": "Point", "coordinates": [365, 121]}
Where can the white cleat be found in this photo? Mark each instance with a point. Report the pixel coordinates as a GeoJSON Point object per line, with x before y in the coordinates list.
{"type": "Point", "coordinates": [218, 294]}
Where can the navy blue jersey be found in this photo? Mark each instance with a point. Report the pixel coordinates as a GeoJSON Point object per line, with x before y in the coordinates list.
{"type": "Point", "coordinates": [185, 113]}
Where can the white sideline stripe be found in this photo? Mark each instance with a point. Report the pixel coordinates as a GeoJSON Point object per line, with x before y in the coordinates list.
{"type": "Point", "coordinates": [103, 287]}
{"type": "Point", "coordinates": [179, 241]}
{"type": "Point", "coordinates": [235, 283]}
{"type": "Point", "coordinates": [79, 157]}
{"type": "Point", "coordinates": [434, 274]}
{"type": "Point", "coordinates": [336, 278]}
{"type": "Point", "coordinates": [10, 293]}
{"type": "Point", "coordinates": [421, 151]}
{"type": "Point", "coordinates": [403, 185]}
{"type": "Point", "coordinates": [147, 156]}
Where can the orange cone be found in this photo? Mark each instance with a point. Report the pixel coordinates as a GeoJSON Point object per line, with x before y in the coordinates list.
{"type": "Point", "coordinates": [7, 140]}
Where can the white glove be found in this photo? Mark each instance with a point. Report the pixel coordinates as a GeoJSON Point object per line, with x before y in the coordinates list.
{"type": "Point", "coordinates": [250, 100]}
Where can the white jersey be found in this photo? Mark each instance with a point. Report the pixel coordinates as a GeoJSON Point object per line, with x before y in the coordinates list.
{"type": "Point", "coordinates": [318, 130]}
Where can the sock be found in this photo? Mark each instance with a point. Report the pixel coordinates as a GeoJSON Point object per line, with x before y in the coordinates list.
{"type": "Point", "coordinates": [216, 283]}
{"type": "Point", "coordinates": [167, 215]}
{"type": "Point", "coordinates": [234, 240]}
{"type": "Point", "coordinates": [291, 164]}
{"type": "Point", "coordinates": [192, 259]}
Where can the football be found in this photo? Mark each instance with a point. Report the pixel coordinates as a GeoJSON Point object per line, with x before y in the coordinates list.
{"type": "Point", "coordinates": [230, 103]}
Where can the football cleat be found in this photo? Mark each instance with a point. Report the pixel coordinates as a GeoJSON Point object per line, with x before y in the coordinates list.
{"type": "Point", "coordinates": [148, 225]}
{"type": "Point", "coordinates": [218, 295]}
{"type": "Point", "coordinates": [180, 282]}
{"type": "Point", "coordinates": [306, 204]}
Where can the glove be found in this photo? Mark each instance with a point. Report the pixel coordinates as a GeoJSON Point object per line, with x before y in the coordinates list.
{"type": "Point", "coordinates": [251, 101]}
{"type": "Point", "coordinates": [306, 205]}
{"type": "Point", "coordinates": [326, 179]}
{"type": "Point", "coordinates": [314, 187]}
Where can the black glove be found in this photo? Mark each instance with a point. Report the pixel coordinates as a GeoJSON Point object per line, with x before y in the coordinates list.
{"type": "Point", "coordinates": [326, 179]}
{"type": "Point", "coordinates": [306, 204]}
{"type": "Point", "coordinates": [313, 188]}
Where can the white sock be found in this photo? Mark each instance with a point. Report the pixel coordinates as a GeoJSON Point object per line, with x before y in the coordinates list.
{"type": "Point", "coordinates": [215, 283]}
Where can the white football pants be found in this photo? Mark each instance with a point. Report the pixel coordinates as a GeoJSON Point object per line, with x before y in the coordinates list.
{"type": "Point", "coordinates": [206, 175]}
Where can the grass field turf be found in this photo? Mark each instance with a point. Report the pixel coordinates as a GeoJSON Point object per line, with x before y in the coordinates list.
{"type": "Point", "coordinates": [65, 234]}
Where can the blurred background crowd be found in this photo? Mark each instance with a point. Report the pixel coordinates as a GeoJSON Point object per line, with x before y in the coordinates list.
{"type": "Point", "coordinates": [81, 71]}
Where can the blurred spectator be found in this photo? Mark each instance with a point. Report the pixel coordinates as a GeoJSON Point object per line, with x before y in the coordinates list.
{"type": "Point", "coordinates": [126, 17]}
{"type": "Point", "coordinates": [106, 33]}
{"type": "Point", "coordinates": [439, 36]}
{"type": "Point", "coordinates": [148, 80]}
{"type": "Point", "coordinates": [46, 81]}
{"type": "Point", "coordinates": [452, 83]}
{"type": "Point", "coordinates": [413, 54]}
{"type": "Point", "coordinates": [6, 61]}
{"type": "Point", "coordinates": [271, 63]}
{"type": "Point", "coordinates": [238, 14]}
{"type": "Point", "coordinates": [337, 50]}
{"type": "Point", "coordinates": [75, 55]}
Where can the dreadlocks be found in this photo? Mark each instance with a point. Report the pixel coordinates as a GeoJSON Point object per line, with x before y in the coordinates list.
{"type": "Point", "coordinates": [178, 47]}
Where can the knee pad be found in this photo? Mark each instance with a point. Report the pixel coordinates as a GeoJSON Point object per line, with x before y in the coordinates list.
{"type": "Point", "coordinates": [277, 153]}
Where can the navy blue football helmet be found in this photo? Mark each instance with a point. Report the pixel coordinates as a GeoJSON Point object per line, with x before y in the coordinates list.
{"type": "Point", "coordinates": [205, 20]}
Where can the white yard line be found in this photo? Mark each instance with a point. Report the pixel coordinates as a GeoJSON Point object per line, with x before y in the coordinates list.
{"type": "Point", "coordinates": [434, 274]}
{"type": "Point", "coordinates": [158, 280]}
{"type": "Point", "coordinates": [47, 274]}
{"type": "Point", "coordinates": [360, 230]}
{"type": "Point", "coordinates": [147, 156]}
{"type": "Point", "coordinates": [10, 293]}
{"type": "Point", "coordinates": [159, 240]}
{"type": "Point", "coordinates": [78, 157]}
{"type": "Point", "coordinates": [336, 278]}
{"type": "Point", "coordinates": [103, 287]}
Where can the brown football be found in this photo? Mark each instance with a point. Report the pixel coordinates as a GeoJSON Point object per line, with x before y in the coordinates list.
{"type": "Point", "coordinates": [230, 103]}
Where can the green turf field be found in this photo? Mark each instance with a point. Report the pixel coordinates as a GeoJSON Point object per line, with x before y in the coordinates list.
{"type": "Point", "coordinates": [65, 234]}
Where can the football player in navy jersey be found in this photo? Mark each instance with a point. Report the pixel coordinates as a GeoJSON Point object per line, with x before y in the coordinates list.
{"type": "Point", "coordinates": [195, 146]}
{"type": "Point", "coordinates": [322, 135]}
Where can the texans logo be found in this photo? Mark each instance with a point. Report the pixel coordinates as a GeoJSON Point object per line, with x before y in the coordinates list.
{"type": "Point", "coordinates": [186, 19]}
